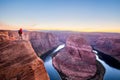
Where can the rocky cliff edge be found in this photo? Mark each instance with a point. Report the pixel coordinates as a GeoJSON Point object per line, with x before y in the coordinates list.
{"type": "Point", "coordinates": [18, 61]}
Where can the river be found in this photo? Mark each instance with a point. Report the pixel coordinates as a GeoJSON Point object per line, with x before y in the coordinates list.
{"type": "Point", "coordinates": [53, 74]}
{"type": "Point", "coordinates": [112, 67]}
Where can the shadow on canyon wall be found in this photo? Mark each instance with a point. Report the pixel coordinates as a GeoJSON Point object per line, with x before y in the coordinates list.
{"type": "Point", "coordinates": [108, 59]}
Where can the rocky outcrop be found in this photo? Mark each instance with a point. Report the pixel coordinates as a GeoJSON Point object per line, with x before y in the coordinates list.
{"type": "Point", "coordinates": [109, 45]}
{"type": "Point", "coordinates": [4, 35]}
{"type": "Point", "coordinates": [99, 73]}
{"type": "Point", "coordinates": [12, 35]}
{"type": "Point", "coordinates": [76, 60]}
{"type": "Point", "coordinates": [43, 42]}
{"type": "Point", "coordinates": [18, 61]}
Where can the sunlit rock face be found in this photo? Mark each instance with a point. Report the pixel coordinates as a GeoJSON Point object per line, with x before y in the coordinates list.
{"type": "Point", "coordinates": [5, 35]}
{"type": "Point", "coordinates": [109, 45]}
{"type": "Point", "coordinates": [40, 41]}
{"type": "Point", "coordinates": [18, 61]}
{"type": "Point", "coordinates": [76, 60]}
{"type": "Point", "coordinates": [43, 41]}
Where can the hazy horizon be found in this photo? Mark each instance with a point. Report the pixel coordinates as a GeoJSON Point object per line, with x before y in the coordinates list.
{"type": "Point", "coordinates": [67, 15]}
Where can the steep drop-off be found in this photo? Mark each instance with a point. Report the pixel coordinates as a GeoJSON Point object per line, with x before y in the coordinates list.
{"type": "Point", "coordinates": [43, 41]}
{"type": "Point", "coordinates": [109, 45]}
{"type": "Point", "coordinates": [18, 61]}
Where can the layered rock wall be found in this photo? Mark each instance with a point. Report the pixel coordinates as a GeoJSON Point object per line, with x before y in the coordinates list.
{"type": "Point", "coordinates": [43, 42]}
{"type": "Point", "coordinates": [109, 45]}
{"type": "Point", "coordinates": [18, 61]}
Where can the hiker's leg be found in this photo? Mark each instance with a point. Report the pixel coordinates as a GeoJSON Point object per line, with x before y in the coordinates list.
{"type": "Point", "coordinates": [21, 36]}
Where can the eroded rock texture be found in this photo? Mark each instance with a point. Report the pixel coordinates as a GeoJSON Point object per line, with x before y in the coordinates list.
{"type": "Point", "coordinates": [76, 60]}
{"type": "Point", "coordinates": [43, 42]}
{"type": "Point", "coordinates": [40, 41]}
{"type": "Point", "coordinates": [109, 45]}
{"type": "Point", "coordinates": [4, 35]}
{"type": "Point", "coordinates": [18, 61]}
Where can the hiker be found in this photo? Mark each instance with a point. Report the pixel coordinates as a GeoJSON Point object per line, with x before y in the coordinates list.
{"type": "Point", "coordinates": [20, 33]}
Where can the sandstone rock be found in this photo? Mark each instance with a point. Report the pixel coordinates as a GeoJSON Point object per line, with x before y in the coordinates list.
{"type": "Point", "coordinates": [76, 60]}
{"type": "Point", "coordinates": [40, 41]}
{"type": "Point", "coordinates": [18, 61]}
{"type": "Point", "coordinates": [43, 42]}
{"type": "Point", "coordinates": [63, 35]}
{"type": "Point", "coordinates": [99, 73]}
{"type": "Point", "coordinates": [12, 35]}
{"type": "Point", "coordinates": [4, 35]}
{"type": "Point", "coordinates": [109, 45]}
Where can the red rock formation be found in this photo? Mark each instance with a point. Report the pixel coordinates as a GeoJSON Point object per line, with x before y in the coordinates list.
{"type": "Point", "coordinates": [4, 35]}
{"type": "Point", "coordinates": [43, 42]}
{"type": "Point", "coordinates": [40, 41]}
{"type": "Point", "coordinates": [18, 61]}
{"type": "Point", "coordinates": [76, 60]}
{"type": "Point", "coordinates": [109, 45]}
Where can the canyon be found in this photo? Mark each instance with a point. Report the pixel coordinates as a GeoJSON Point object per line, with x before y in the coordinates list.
{"type": "Point", "coordinates": [75, 61]}
{"type": "Point", "coordinates": [108, 43]}
{"type": "Point", "coordinates": [41, 42]}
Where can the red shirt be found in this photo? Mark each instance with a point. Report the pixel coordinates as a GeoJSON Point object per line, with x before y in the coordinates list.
{"type": "Point", "coordinates": [20, 31]}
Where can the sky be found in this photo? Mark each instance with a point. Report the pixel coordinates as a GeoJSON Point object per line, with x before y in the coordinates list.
{"type": "Point", "coordinates": [69, 15]}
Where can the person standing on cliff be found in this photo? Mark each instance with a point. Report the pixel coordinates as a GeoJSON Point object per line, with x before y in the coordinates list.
{"type": "Point", "coordinates": [20, 33]}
